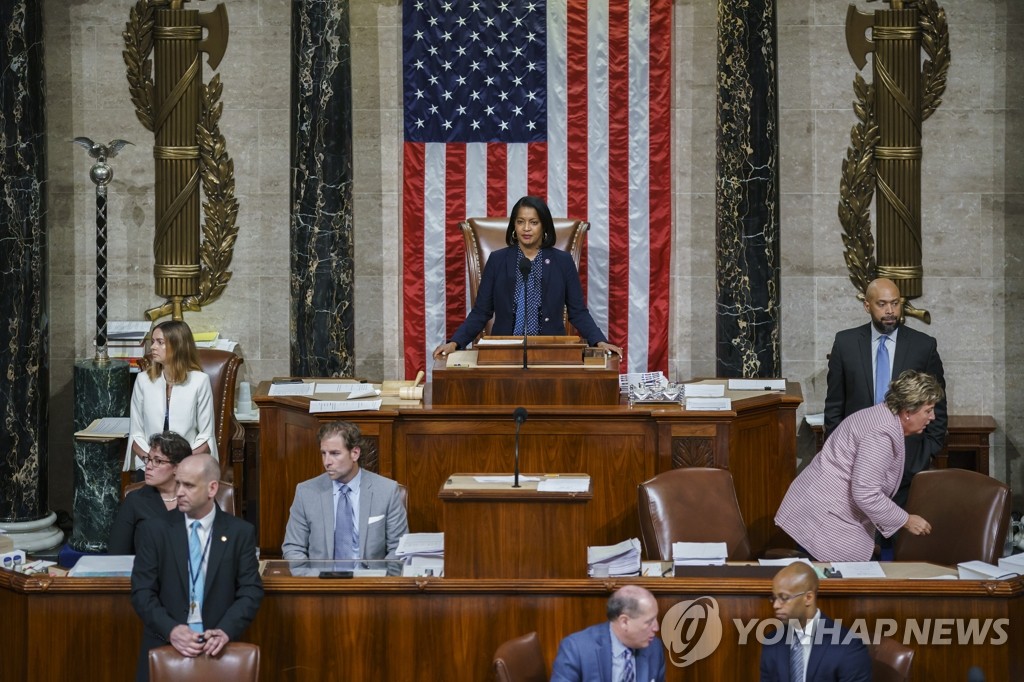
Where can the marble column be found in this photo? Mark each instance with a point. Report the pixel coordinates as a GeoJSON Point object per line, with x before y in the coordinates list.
{"type": "Point", "coordinates": [101, 390]}
{"type": "Point", "coordinates": [23, 279]}
{"type": "Point", "coordinates": [748, 312]}
{"type": "Point", "coordinates": [322, 248]}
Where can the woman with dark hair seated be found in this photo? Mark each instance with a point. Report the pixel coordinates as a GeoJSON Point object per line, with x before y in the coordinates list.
{"type": "Point", "coordinates": [537, 309]}
{"type": "Point", "coordinates": [835, 505]}
{"type": "Point", "coordinates": [157, 497]}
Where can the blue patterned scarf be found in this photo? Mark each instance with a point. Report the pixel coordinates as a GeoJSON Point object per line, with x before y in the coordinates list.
{"type": "Point", "coordinates": [533, 305]}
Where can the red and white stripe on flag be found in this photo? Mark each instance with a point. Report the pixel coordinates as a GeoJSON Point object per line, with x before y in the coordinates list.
{"type": "Point", "coordinates": [607, 159]}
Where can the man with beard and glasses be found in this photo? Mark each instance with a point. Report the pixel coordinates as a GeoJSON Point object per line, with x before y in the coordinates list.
{"type": "Point", "coordinates": [865, 359]}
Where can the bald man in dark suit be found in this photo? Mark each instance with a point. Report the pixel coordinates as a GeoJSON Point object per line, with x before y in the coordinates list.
{"type": "Point", "coordinates": [852, 369]}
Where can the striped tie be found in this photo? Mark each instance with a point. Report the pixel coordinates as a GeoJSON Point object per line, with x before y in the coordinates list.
{"type": "Point", "coordinates": [881, 370]}
{"type": "Point", "coordinates": [796, 659]}
{"type": "Point", "coordinates": [628, 667]}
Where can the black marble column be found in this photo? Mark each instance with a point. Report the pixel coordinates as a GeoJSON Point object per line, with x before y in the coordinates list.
{"type": "Point", "coordinates": [24, 369]}
{"type": "Point", "coordinates": [100, 391]}
{"type": "Point", "coordinates": [747, 192]}
{"type": "Point", "coordinates": [322, 248]}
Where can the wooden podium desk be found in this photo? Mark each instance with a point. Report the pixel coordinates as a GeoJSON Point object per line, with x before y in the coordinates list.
{"type": "Point", "coordinates": [421, 444]}
{"type": "Point", "coordinates": [493, 530]}
{"type": "Point", "coordinates": [427, 629]}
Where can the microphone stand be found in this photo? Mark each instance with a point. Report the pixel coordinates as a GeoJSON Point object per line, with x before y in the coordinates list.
{"type": "Point", "coordinates": [525, 266]}
{"type": "Point", "coordinates": [520, 416]}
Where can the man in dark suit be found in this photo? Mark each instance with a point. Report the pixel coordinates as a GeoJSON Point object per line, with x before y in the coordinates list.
{"type": "Point", "coordinates": [859, 372]}
{"type": "Point", "coordinates": [375, 514]}
{"type": "Point", "coordinates": [812, 648]}
{"type": "Point", "coordinates": [195, 582]}
{"type": "Point", "coordinates": [624, 648]}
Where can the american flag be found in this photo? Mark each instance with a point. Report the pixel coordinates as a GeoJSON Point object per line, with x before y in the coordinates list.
{"type": "Point", "coordinates": [569, 100]}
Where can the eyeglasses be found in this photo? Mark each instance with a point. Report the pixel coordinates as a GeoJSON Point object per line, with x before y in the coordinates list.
{"type": "Point", "coordinates": [784, 599]}
{"type": "Point", "coordinates": [155, 461]}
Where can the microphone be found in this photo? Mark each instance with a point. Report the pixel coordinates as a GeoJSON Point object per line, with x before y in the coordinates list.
{"type": "Point", "coordinates": [975, 674]}
{"type": "Point", "coordinates": [519, 414]}
{"type": "Point", "coordinates": [525, 266]}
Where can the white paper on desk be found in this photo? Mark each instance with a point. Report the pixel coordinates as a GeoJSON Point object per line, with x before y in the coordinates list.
{"type": "Point", "coordinates": [703, 390]}
{"type": "Point", "coordinates": [103, 565]}
{"type": "Point", "coordinates": [420, 543]}
{"type": "Point", "coordinates": [505, 479]}
{"type": "Point", "coordinates": [708, 404]}
{"type": "Point", "coordinates": [700, 551]}
{"type": "Point", "coordinates": [859, 569]}
{"type": "Point", "coordinates": [291, 389]}
{"type": "Point", "coordinates": [979, 570]}
{"type": "Point", "coordinates": [225, 344]}
{"type": "Point", "coordinates": [424, 567]}
{"type": "Point", "coordinates": [324, 387]}
{"type": "Point", "coordinates": [1014, 562]}
{"type": "Point", "coordinates": [316, 406]}
{"type": "Point", "coordinates": [112, 426]}
{"type": "Point", "coordinates": [367, 391]}
{"type": "Point", "coordinates": [564, 485]}
{"type": "Point", "coordinates": [757, 384]}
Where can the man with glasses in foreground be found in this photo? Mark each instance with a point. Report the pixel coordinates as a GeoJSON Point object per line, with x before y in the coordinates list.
{"type": "Point", "coordinates": [813, 648]}
{"type": "Point", "coordinates": [625, 649]}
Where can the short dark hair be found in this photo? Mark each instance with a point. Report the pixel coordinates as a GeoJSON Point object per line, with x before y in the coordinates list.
{"type": "Point", "coordinates": [348, 431]}
{"type": "Point", "coordinates": [546, 221]}
{"type": "Point", "coordinates": [172, 445]}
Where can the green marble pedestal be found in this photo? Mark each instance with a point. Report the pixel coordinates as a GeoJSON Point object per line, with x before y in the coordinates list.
{"type": "Point", "coordinates": [100, 391]}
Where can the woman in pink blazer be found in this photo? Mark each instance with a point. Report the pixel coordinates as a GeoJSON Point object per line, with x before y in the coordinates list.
{"type": "Point", "coordinates": [835, 505]}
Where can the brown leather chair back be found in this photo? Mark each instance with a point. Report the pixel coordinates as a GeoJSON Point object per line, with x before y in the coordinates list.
{"type": "Point", "coordinates": [222, 368]}
{"type": "Point", "coordinates": [484, 236]}
{"type": "Point", "coordinates": [237, 662]}
{"type": "Point", "coordinates": [890, 661]}
{"type": "Point", "coordinates": [969, 514]}
{"type": "Point", "coordinates": [692, 504]}
{"type": "Point", "coordinates": [225, 495]}
{"type": "Point", "coordinates": [520, 660]}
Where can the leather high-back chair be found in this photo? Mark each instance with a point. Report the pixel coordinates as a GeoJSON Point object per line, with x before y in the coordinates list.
{"type": "Point", "coordinates": [225, 495]}
{"type": "Point", "coordinates": [691, 504]}
{"type": "Point", "coordinates": [969, 514]}
{"type": "Point", "coordinates": [520, 660]}
{"type": "Point", "coordinates": [222, 368]}
{"type": "Point", "coordinates": [237, 662]}
{"type": "Point", "coordinates": [484, 236]}
{"type": "Point", "coordinates": [890, 661]}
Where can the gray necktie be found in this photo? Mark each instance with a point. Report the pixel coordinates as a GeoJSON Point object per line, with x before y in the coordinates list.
{"type": "Point", "coordinates": [343, 526]}
{"type": "Point", "coordinates": [796, 659]}
{"type": "Point", "coordinates": [881, 370]}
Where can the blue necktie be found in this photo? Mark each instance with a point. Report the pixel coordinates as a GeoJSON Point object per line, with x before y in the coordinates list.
{"type": "Point", "coordinates": [343, 526]}
{"type": "Point", "coordinates": [197, 576]}
{"type": "Point", "coordinates": [881, 370]}
{"type": "Point", "coordinates": [796, 659]}
{"type": "Point", "coordinates": [628, 668]}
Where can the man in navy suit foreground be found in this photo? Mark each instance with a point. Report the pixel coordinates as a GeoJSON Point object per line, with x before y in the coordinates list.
{"type": "Point", "coordinates": [195, 582]}
{"type": "Point", "coordinates": [812, 648]}
{"type": "Point", "coordinates": [626, 648]}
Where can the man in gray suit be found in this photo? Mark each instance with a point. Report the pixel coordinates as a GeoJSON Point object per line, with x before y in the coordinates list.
{"type": "Point", "coordinates": [345, 512]}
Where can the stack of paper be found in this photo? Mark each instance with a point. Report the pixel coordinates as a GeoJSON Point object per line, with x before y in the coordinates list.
{"type": "Point", "coordinates": [101, 565]}
{"type": "Point", "coordinates": [708, 404]}
{"type": "Point", "coordinates": [1012, 564]}
{"type": "Point", "coordinates": [614, 560]}
{"type": "Point", "coordinates": [979, 570]}
{"type": "Point", "coordinates": [422, 554]}
{"type": "Point", "coordinates": [699, 553]}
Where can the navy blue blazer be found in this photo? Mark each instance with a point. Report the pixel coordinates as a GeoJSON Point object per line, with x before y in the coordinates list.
{"type": "Point", "coordinates": [831, 659]}
{"type": "Point", "coordinates": [586, 656]}
{"type": "Point", "coordinates": [496, 296]}
{"type": "Point", "coordinates": [851, 387]}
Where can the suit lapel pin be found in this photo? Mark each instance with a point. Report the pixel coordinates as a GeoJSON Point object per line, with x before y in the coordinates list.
{"type": "Point", "coordinates": [223, 538]}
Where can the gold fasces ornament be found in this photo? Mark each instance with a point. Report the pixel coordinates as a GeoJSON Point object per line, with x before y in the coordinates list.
{"type": "Point", "coordinates": [190, 262]}
{"type": "Point", "coordinates": [885, 143]}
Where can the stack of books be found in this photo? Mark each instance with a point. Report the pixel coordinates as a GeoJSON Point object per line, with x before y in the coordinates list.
{"type": "Point", "coordinates": [699, 553]}
{"type": "Point", "coordinates": [422, 554]}
{"type": "Point", "coordinates": [614, 560]}
{"type": "Point", "coordinates": [126, 340]}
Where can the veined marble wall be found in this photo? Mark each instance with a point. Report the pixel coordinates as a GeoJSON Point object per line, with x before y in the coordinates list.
{"type": "Point", "coordinates": [972, 171]}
